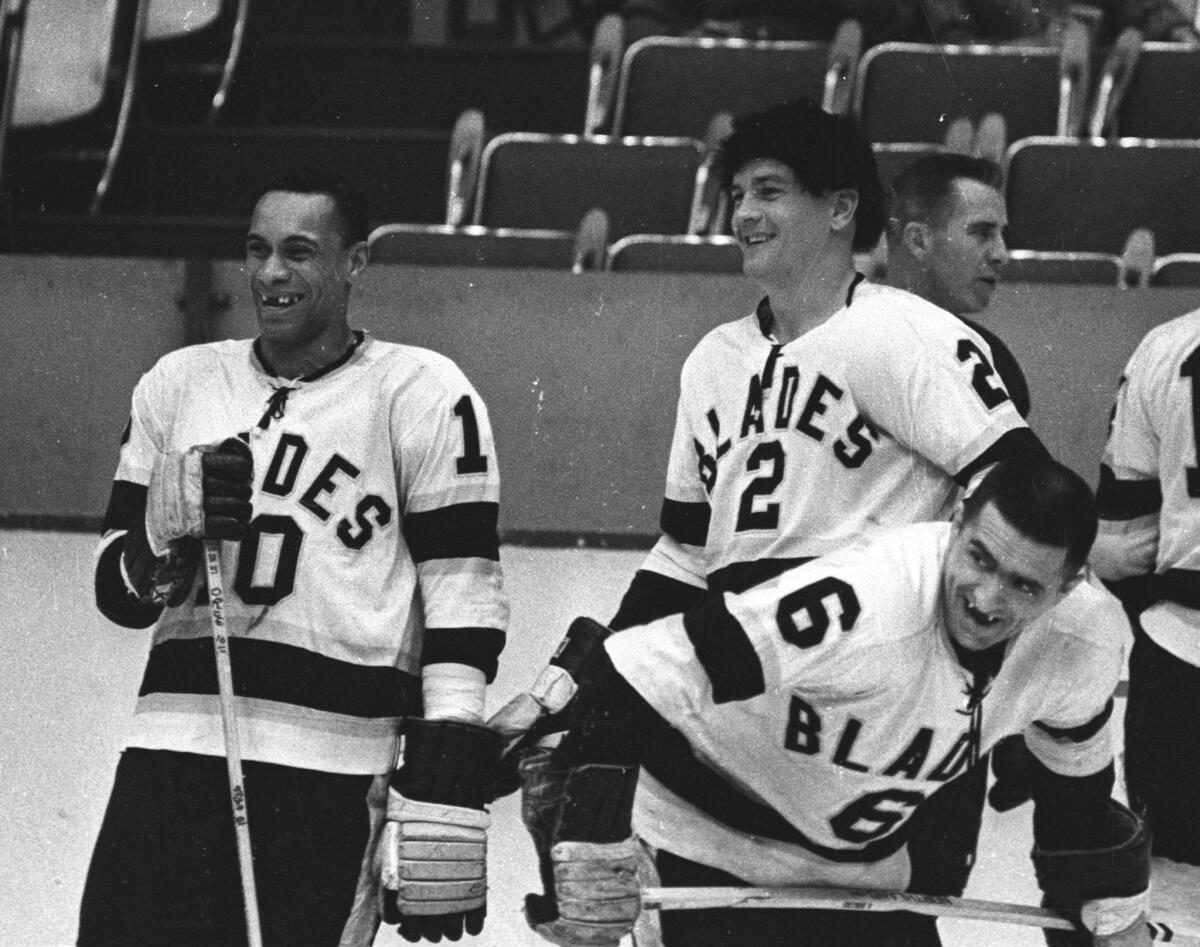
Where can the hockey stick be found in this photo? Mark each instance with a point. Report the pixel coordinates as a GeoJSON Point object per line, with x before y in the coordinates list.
{"type": "Point", "coordinates": [233, 746]}
{"type": "Point", "coordinates": [855, 899]}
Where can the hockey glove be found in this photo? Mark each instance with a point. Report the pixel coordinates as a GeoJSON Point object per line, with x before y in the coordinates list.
{"type": "Point", "coordinates": [1105, 891]}
{"type": "Point", "coordinates": [594, 858]}
{"type": "Point", "coordinates": [159, 580]}
{"type": "Point", "coordinates": [203, 492]}
{"type": "Point", "coordinates": [432, 856]}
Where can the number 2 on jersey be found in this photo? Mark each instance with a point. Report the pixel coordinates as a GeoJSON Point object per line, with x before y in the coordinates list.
{"type": "Point", "coordinates": [990, 394]}
{"type": "Point", "coordinates": [768, 457]}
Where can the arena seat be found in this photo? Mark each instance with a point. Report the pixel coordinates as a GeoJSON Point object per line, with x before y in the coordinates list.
{"type": "Point", "coordinates": [911, 91]}
{"type": "Point", "coordinates": [1088, 195]}
{"type": "Point", "coordinates": [442, 245]}
{"type": "Point", "coordinates": [205, 170]}
{"type": "Point", "coordinates": [675, 253]}
{"type": "Point", "coordinates": [1052, 266]}
{"type": "Point", "coordinates": [548, 182]}
{"type": "Point", "coordinates": [1177, 269]}
{"type": "Point", "coordinates": [673, 85]}
{"type": "Point", "coordinates": [388, 83]}
{"type": "Point", "coordinates": [1162, 99]}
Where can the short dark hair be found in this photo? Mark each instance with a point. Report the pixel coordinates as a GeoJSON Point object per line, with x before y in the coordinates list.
{"type": "Point", "coordinates": [1044, 501]}
{"type": "Point", "coordinates": [825, 152]}
{"type": "Point", "coordinates": [349, 203]}
{"type": "Point", "coordinates": [923, 190]}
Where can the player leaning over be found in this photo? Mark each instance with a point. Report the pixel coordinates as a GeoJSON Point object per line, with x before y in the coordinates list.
{"type": "Point", "coordinates": [1149, 546]}
{"type": "Point", "coordinates": [794, 733]}
{"type": "Point", "coordinates": [837, 408]}
{"type": "Point", "coordinates": [357, 485]}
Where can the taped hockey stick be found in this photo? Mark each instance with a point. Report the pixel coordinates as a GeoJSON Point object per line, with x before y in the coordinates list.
{"type": "Point", "coordinates": [855, 899]}
{"type": "Point", "coordinates": [233, 745]}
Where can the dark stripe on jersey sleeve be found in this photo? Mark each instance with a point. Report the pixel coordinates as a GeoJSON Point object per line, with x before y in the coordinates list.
{"type": "Point", "coordinates": [725, 652]}
{"type": "Point", "coordinates": [477, 647]}
{"type": "Point", "coordinates": [653, 595]}
{"type": "Point", "coordinates": [739, 576]}
{"type": "Point", "coordinates": [1179, 585]}
{"type": "Point", "coordinates": [1126, 499]}
{"type": "Point", "coordinates": [1085, 731]}
{"type": "Point", "coordinates": [461, 531]}
{"type": "Point", "coordinates": [685, 522]}
{"type": "Point", "coordinates": [283, 673]}
{"type": "Point", "coordinates": [126, 507]}
{"type": "Point", "coordinates": [1020, 442]}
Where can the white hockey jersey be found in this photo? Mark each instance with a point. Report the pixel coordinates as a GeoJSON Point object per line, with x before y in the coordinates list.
{"type": "Point", "coordinates": [374, 512]}
{"type": "Point", "coordinates": [787, 452]}
{"type": "Point", "coordinates": [1149, 492]}
{"type": "Point", "coordinates": [827, 704]}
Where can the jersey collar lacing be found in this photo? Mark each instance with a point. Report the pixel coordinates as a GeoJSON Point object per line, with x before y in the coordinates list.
{"type": "Point", "coordinates": [277, 401]}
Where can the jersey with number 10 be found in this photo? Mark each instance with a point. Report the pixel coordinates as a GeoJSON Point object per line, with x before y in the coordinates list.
{"type": "Point", "coordinates": [373, 539]}
{"type": "Point", "coordinates": [787, 452]}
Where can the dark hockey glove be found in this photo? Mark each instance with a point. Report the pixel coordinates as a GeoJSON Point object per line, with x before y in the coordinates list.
{"type": "Point", "coordinates": [203, 492]}
{"type": "Point", "coordinates": [594, 898]}
{"type": "Point", "coordinates": [159, 580]}
{"type": "Point", "coordinates": [432, 857]}
{"type": "Point", "coordinates": [1105, 891]}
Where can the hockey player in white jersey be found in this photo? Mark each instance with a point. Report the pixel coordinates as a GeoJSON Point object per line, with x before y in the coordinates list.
{"type": "Point", "coordinates": [794, 733]}
{"type": "Point", "coordinates": [1149, 549]}
{"type": "Point", "coordinates": [356, 484]}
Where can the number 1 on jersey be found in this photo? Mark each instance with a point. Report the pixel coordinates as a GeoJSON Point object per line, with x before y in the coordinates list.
{"type": "Point", "coordinates": [1191, 369]}
{"type": "Point", "coordinates": [472, 460]}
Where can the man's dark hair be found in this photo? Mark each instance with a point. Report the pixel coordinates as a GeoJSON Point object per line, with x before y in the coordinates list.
{"type": "Point", "coordinates": [825, 152]}
{"type": "Point", "coordinates": [1044, 501]}
{"type": "Point", "coordinates": [924, 189]}
{"type": "Point", "coordinates": [349, 203]}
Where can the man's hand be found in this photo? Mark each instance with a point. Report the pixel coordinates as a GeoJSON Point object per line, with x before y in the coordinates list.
{"type": "Point", "coordinates": [1136, 934]}
{"type": "Point", "coordinates": [432, 857]}
{"type": "Point", "coordinates": [202, 493]}
{"type": "Point", "coordinates": [596, 886]}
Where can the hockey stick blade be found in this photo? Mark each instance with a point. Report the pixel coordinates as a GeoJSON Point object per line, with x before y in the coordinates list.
{"type": "Point", "coordinates": [856, 899]}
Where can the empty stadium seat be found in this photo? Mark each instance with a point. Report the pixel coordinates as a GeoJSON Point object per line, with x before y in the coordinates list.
{"type": "Point", "coordinates": [1049, 266]}
{"type": "Point", "coordinates": [911, 91]}
{"type": "Point", "coordinates": [1177, 269]}
{"type": "Point", "coordinates": [441, 245]}
{"type": "Point", "coordinates": [662, 253]}
{"type": "Point", "coordinates": [674, 85]}
{"type": "Point", "coordinates": [548, 182]}
{"type": "Point", "coordinates": [1088, 195]}
{"type": "Point", "coordinates": [1162, 99]}
{"type": "Point", "coordinates": [219, 170]}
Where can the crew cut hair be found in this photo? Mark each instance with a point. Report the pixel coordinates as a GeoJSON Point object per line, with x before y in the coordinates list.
{"type": "Point", "coordinates": [825, 153]}
{"type": "Point", "coordinates": [350, 204]}
{"type": "Point", "coordinates": [1044, 501]}
{"type": "Point", "coordinates": [923, 191]}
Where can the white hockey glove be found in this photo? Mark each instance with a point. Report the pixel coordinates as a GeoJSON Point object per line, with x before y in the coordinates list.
{"type": "Point", "coordinates": [594, 857]}
{"type": "Point", "coordinates": [203, 492]}
{"type": "Point", "coordinates": [432, 855]}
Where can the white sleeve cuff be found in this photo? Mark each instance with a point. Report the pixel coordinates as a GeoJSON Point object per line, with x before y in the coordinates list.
{"type": "Point", "coordinates": [1106, 916]}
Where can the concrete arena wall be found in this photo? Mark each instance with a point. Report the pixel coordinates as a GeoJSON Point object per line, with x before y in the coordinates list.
{"type": "Point", "coordinates": [580, 372]}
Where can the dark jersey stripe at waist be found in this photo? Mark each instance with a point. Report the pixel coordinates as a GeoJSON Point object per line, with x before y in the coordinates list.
{"type": "Point", "coordinates": [283, 673]}
{"type": "Point", "coordinates": [739, 576]}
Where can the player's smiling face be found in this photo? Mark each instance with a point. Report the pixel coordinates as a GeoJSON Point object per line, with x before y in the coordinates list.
{"type": "Point", "coordinates": [996, 580]}
{"type": "Point", "coordinates": [968, 251]}
{"type": "Point", "coordinates": [300, 269]}
{"type": "Point", "coordinates": [780, 226]}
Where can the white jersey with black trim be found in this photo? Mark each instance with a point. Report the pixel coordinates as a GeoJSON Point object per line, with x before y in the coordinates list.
{"type": "Point", "coordinates": [830, 699]}
{"type": "Point", "coordinates": [374, 507]}
{"type": "Point", "coordinates": [1149, 493]}
{"type": "Point", "coordinates": [787, 452]}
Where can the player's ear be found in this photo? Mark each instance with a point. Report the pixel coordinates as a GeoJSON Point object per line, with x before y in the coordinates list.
{"type": "Point", "coordinates": [845, 203]}
{"type": "Point", "coordinates": [358, 258]}
{"type": "Point", "coordinates": [917, 238]}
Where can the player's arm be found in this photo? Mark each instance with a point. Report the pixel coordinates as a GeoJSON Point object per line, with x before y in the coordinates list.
{"type": "Point", "coordinates": [1091, 854]}
{"type": "Point", "coordinates": [431, 858]}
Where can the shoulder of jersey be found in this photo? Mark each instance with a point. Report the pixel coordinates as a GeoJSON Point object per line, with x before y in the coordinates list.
{"type": "Point", "coordinates": [1090, 615]}
{"type": "Point", "coordinates": [413, 361]}
{"type": "Point", "coordinates": [1175, 332]}
{"type": "Point", "coordinates": [737, 334]}
{"type": "Point", "coordinates": [195, 357]}
{"type": "Point", "coordinates": [875, 300]}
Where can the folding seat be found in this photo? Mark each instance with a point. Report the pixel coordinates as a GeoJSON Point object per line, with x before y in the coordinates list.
{"type": "Point", "coordinates": [1177, 269]}
{"type": "Point", "coordinates": [674, 85]}
{"type": "Point", "coordinates": [1159, 97]}
{"type": "Point", "coordinates": [1056, 266]}
{"type": "Point", "coordinates": [913, 91]}
{"type": "Point", "coordinates": [548, 182]}
{"type": "Point", "coordinates": [675, 253]}
{"type": "Point", "coordinates": [1089, 195]}
{"type": "Point", "coordinates": [582, 248]}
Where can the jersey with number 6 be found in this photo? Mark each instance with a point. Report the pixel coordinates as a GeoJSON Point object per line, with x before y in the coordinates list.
{"type": "Point", "coordinates": [1149, 494]}
{"type": "Point", "coordinates": [818, 710]}
{"type": "Point", "coordinates": [372, 549]}
{"type": "Point", "coordinates": [785, 452]}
